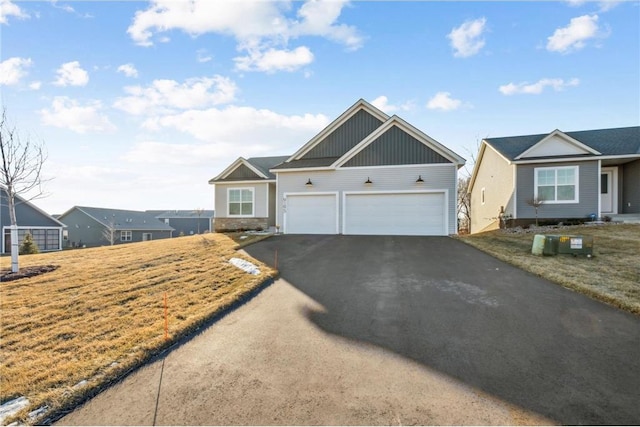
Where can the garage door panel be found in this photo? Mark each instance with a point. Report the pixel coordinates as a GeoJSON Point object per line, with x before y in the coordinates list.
{"type": "Point", "coordinates": [311, 214]}
{"type": "Point", "coordinates": [395, 214]}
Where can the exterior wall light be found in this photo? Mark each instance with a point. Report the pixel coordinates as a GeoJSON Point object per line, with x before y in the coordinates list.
{"type": "Point", "coordinates": [419, 180]}
{"type": "Point", "coordinates": [368, 181]}
{"type": "Point", "coordinates": [309, 183]}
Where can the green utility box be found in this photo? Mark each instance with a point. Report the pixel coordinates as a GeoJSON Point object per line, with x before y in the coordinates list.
{"type": "Point", "coordinates": [571, 245]}
{"type": "Point", "coordinates": [576, 245]}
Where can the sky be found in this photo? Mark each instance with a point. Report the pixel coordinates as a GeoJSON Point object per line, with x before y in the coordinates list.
{"type": "Point", "coordinates": [140, 103]}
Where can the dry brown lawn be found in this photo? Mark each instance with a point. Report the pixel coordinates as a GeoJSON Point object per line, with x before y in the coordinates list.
{"type": "Point", "coordinates": [612, 275]}
{"type": "Point", "coordinates": [100, 314]}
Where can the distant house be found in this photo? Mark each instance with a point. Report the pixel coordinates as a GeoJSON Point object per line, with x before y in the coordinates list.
{"type": "Point", "coordinates": [92, 226]}
{"type": "Point", "coordinates": [47, 232]}
{"type": "Point", "coordinates": [575, 175]}
{"type": "Point", "coordinates": [186, 222]}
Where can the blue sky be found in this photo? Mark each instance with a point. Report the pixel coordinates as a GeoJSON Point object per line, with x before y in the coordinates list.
{"type": "Point", "coordinates": [139, 104]}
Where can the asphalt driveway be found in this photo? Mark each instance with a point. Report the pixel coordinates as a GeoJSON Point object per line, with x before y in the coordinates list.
{"type": "Point", "coordinates": [465, 314]}
{"type": "Point", "coordinates": [391, 330]}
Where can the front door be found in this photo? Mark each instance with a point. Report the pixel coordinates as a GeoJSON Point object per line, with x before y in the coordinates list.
{"type": "Point", "coordinates": [607, 190]}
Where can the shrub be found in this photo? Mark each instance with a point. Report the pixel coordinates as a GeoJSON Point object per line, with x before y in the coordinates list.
{"type": "Point", "coordinates": [28, 246]}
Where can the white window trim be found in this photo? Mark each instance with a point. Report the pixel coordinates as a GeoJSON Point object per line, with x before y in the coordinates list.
{"type": "Point", "coordinates": [122, 234]}
{"type": "Point", "coordinates": [253, 202]}
{"type": "Point", "coordinates": [557, 168]}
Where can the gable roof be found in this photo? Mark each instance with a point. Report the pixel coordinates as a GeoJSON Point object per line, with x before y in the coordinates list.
{"type": "Point", "coordinates": [22, 201]}
{"type": "Point", "coordinates": [123, 219]}
{"type": "Point", "coordinates": [607, 142]}
{"type": "Point", "coordinates": [251, 169]}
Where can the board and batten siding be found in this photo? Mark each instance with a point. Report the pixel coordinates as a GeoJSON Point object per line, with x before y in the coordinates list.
{"type": "Point", "coordinates": [436, 177]}
{"type": "Point", "coordinates": [589, 176]}
{"type": "Point", "coordinates": [345, 137]}
{"type": "Point", "coordinates": [495, 176]}
{"type": "Point", "coordinates": [260, 194]}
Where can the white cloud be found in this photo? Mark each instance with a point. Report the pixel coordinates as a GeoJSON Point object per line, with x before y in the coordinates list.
{"type": "Point", "coordinates": [272, 60]}
{"type": "Point", "coordinates": [262, 29]}
{"type": "Point", "coordinates": [203, 56]}
{"type": "Point", "coordinates": [382, 103]}
{"type": "Point", "coordinates": [605, 5]}
{"type": "Point", "coordinates": [35, 85]}
{"type": "Point", "coordinates": [537, 87]}
{"type": "Point", "coordinates": [13, 69]}
{"type": "Point", "coordinates": [67, 113]}
{"type": "Point", "coordinates": [574, 36]}
{"type": "Point", "coordinates": [164, 96]}
{"type": "Point", "coordinates": [7, 8]}
{"type": "Point", "coordinates": [162, 153]}
{"type": "Point", "coordinates": [71, 74]}
{"type": "Point", "coordinates": [443, 101]}
{"type": "Point", "coordinates": [466, 39]}
{"type": "Point", "coordinates": [234, 124]}
{"type": "Point", "coordinates": [128, 70]}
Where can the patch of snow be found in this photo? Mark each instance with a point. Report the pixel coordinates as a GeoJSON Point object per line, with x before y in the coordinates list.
{"type": "Point", "coordinates": [12, 407]}
{"type": "Point", "coordinates": [245, 265]}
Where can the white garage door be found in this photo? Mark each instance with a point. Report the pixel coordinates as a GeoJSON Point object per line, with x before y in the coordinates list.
{"type": "Point", "coordinates": [311, 214]}
{"type": "Point", "coordinates": [400, 214]}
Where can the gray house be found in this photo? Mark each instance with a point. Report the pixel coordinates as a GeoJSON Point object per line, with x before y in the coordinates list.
{"type": "Point", "coordinates": [94, 226]}
{"type": "Point", "coordinates": [47, 232]}
{"type": "Point", "coordinates": [365, 173]}
{"type": "Point", "coordinates": [576, 175]}
{"type": "Point", "coordinates": [186, 222]}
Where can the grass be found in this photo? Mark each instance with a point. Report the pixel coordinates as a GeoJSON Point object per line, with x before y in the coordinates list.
{"type": "Point", "coordinates": [612, 275]}
{"type": "Point", "coordinates": [100, 314]}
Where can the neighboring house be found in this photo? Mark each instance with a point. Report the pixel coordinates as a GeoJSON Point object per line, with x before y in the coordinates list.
{"type": "Point", "coordinates": [575, 174]}
{"type": "Point", "coordinates": [186, 223]}
{"type": "Point", "coordinates": [365, 173]}
{"type": "Point", "coordinates": [47, 232]}
{"type": "Point", "coordinates": [91, 226]}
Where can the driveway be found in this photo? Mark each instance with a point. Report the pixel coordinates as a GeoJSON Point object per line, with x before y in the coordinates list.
{"type": "Point", "coordinates": [392, 330]}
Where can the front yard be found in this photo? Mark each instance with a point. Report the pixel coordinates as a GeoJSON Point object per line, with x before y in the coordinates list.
{"type": "Point", "coordinates": [612, 275]}
{"type": "Point", "coordinates": [68, 333]}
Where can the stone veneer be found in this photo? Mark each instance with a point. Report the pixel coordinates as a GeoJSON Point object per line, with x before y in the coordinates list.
{"type": "Point", "coordinates": [233, 224]}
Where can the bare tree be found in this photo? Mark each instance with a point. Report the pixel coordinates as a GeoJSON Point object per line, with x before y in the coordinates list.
{"type": "Point", "coordinates": [464, 204]}
{"type": "Point", "coordinates": [536, 202]}
{"type": "Point", "coordinates": [198, 211]}
{"type": "Point", "coordinates": [110, 232]}
{"type": "Point", "coordinates": [20, 173]}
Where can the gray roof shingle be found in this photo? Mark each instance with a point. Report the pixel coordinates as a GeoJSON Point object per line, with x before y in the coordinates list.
{"type": "Point", "coordinates": [125, 219]}
{"type": "Point", "coordinates": [609, 142]}
{"type": "Point", "coordinates": [308, 163]}
{"type": "Point", "coordinates": [263, 164]}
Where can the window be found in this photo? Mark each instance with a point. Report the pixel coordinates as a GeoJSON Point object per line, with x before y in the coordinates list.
{"type": "Point", "coordinates": [126, 236]}
{"type": "Point", "coordinates": [146, 236]}
{"type": "Point", "coordinates": [557, 185]}
{"type": "Point", "coordinates": [240, 201]}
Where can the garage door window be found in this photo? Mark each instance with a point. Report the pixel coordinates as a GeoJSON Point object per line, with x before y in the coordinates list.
{"type": "Point", "coordinates": [240, 201]}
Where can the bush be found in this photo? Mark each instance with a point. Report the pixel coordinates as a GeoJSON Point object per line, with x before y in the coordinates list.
{"type": "Point", "coordinates": [28, 246]}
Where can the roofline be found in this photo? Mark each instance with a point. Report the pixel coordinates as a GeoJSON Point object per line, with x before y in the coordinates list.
{"type": "Point", "coordinates": [234, 165]}
{"type": "Point", "coordinates": [577, 159]}
{"type": "Point", "coordinates": [360, 104]}
{"type": "Point", "coordinates": [249, 181]}
{"type": "Point", "coordinates": [23, 200]}
{"type": "Point", "coordinates": [408, 128]}
{"type": "Point", "coordinates": [116, 225]}
{"type": "Point", "coordinates": [558, 132]}
{"type": "Point", "coordinates": [308, 169]}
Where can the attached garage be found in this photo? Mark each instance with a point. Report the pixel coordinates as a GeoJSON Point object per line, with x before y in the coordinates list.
{"type": "Point", "coordinates": [395, 213]}
{"type": "Point", "coordinates": [311, 213]}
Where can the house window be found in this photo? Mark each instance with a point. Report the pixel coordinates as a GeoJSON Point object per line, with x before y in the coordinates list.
{"type": "Point", "coordinates": [126, 235]}
{"type": "Point", "coordinates": [146, 236]}
{"type": "Point", "coordinates": [557, 185]}
{"type": "Point", "coordinates": [240, 201]}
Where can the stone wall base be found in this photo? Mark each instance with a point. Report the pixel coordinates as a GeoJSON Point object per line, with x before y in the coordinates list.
{"type": "Point", "coordinates": [239, 224]}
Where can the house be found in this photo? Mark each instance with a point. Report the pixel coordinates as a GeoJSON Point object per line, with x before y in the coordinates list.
{"type": "Point", "coordinates": [100, 226]}
{"type": "Point", "coordinates": [365, 173]}
{"type": "Point", "coordinates": [186, 222]}
{"type": "Point", "coordinates": [576, 175]}
{"type": "Point", "coordinates": [47, 232]}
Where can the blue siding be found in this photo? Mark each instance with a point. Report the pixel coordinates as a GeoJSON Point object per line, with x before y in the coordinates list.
{"type": "Point", "coordinates": [240, 173]}
{"type": "Point", "coordinates": [631, 187]}
{"type": "Point", "coordinates": [26, 214]}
